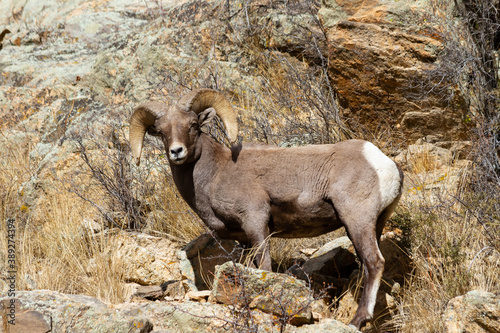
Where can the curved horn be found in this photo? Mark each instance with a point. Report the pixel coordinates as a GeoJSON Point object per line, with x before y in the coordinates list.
{"type": "Point", "coordinates": [202, 99]}
{"type": "Point", "coordinates": [141, 120]}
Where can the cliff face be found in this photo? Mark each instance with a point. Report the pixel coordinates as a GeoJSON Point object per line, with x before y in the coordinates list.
{"type": "Point", "coordinates": [382, 58]}
{"type": "Point", "coordinates": [378, 54]}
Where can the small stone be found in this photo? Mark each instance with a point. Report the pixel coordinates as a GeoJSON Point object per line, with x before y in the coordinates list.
{"type": "Point", "coordinates": [149, 292]}
{"type": "Point", "coordinates": [309, 251]}
{"type": "Point", "coordinates": [476, 312]}
{"type": "Point", "coordinates": [174, 288]}
{"type": "Point", "coordinates": [198, 295]}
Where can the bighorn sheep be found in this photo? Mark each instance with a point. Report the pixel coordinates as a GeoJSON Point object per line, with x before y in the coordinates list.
{"type": "Point", "coordinates": [249, 192]}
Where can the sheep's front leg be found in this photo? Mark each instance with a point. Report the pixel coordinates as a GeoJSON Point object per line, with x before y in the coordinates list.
{"type": "Point", "coordinates": [255, 226]}
{"type": "Point", "coordinates": [262, 255]}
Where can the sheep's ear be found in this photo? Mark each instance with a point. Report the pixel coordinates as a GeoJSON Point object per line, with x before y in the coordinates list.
{"type": "Point", "coordinates": [206, 116]}
{"type": "Point", "coordinates": [152, 131]}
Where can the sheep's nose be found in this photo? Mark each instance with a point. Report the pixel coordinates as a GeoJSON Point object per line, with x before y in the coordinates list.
{"type": "Point", "coordinates": [176, 151]}
{"type": "Point", "coordinates": [178, 154]}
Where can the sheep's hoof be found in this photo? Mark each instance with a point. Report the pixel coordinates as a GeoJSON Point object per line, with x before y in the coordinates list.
{"type": "Point", "coordinates": [359, 321]}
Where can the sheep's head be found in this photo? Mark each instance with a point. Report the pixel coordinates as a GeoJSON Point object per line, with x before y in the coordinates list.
{"type": "Point", "coordinates": [179, 125]}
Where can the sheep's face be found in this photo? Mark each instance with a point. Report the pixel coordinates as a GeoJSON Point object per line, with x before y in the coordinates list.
{"type": "Point", "coordinates": [180, 131]}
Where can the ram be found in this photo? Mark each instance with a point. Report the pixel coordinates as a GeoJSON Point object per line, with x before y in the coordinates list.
{"type": "Point", "coordinates": [251, 191]}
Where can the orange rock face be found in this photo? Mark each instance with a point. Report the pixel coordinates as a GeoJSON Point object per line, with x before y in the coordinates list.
{"type": "Point", "coordinates": [380, 56]}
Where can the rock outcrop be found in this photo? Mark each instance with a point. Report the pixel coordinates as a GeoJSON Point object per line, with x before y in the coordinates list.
{"type": "Point", "coordinates": [148, 260]}
{"type": "Point", "coordinates": [50, 311]}
{"type": "Point", "coordinates": [380, 54]}
{"type": "Point", "coordinates": [475, 312]}
{"type": "Point", "coordinates": [42, 311]}
{"type": "Point", "coordinates": [282, 295]}
{"type": "Point", "coordinates": [59, 59]}
{"type": "Point", "coordinates": [76, 70]}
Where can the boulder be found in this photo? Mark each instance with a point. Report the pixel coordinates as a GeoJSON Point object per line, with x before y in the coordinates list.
{"type": "Point", "coordinates": [78, 313]}
{"type": "Point", "coordinates": [475, 312]}
{"type": "Point", "coordinates": [199, 258]}
{"type": "Point", "coordinates": [49, 311]}
{"type": "Point", "coordinates": [148, 260]}
{"type": "Point", "coordinates": [18, 320]}
{"type": "Point", "coordinates": [380, 54]}
{"type": "Point", "coordinates": [328, 268]}
{"type": "Point", "coordinates": [282, 295]}
{"type": "Point", "coordinates": [336, 259]}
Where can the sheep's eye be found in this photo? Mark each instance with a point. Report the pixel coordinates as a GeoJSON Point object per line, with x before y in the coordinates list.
{"type": "Point", "coordinates": [194, 126]}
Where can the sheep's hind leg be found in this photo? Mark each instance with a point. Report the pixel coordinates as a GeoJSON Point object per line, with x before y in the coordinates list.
{"type": "Point", "coordinates": [364, 238]}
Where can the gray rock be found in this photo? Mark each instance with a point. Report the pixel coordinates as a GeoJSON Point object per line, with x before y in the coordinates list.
{"type": "Point", "coordinates": [188, 316]}
{"type": "Point", "coordinates": [279, 294]}
{"type": "Point", "coordinates": [79, 313]}
{"type": "Point", "coordinates": [75, 313]}
{"type": "Point", "coordinates": [335, 258]}
{"type": "Point", "coordinates": [330, 326]}
{"type": "Point", "coordinates": [149, 292]}
{"type": "Point", "coordinates": [149, 260]}
{"type": "Point", "coordinates": [475, 312]}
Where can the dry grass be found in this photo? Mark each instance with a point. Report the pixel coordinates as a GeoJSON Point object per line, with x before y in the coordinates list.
{"type": "Point", "coordinates": [14, 170]}
{"type": "Point", "coordinates": [54, 248]}
{"type": "Point", "coordinates": [451, 257]}
{"type": "Point", "coordinates": [170, 214]}
{"type": "Point", "coordinates": [59, 253]}
{"type": "Point", "coordinates": [450, 249]}
{"type": "Point", "coordinates": [294, 104]}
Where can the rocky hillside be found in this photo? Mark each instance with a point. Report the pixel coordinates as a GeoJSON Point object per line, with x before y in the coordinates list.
{"type": "Point", "coordinates": [394, 72]}
{"type": "Point", "coordinates": [77, 67]}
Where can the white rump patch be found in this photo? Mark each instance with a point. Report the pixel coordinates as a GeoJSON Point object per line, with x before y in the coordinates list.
{"type": "Point", "coordinates": [387, 171]}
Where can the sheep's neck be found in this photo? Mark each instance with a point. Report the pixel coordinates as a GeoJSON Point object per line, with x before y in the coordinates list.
{"type": "Point", "coordinates": [194, 177]}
